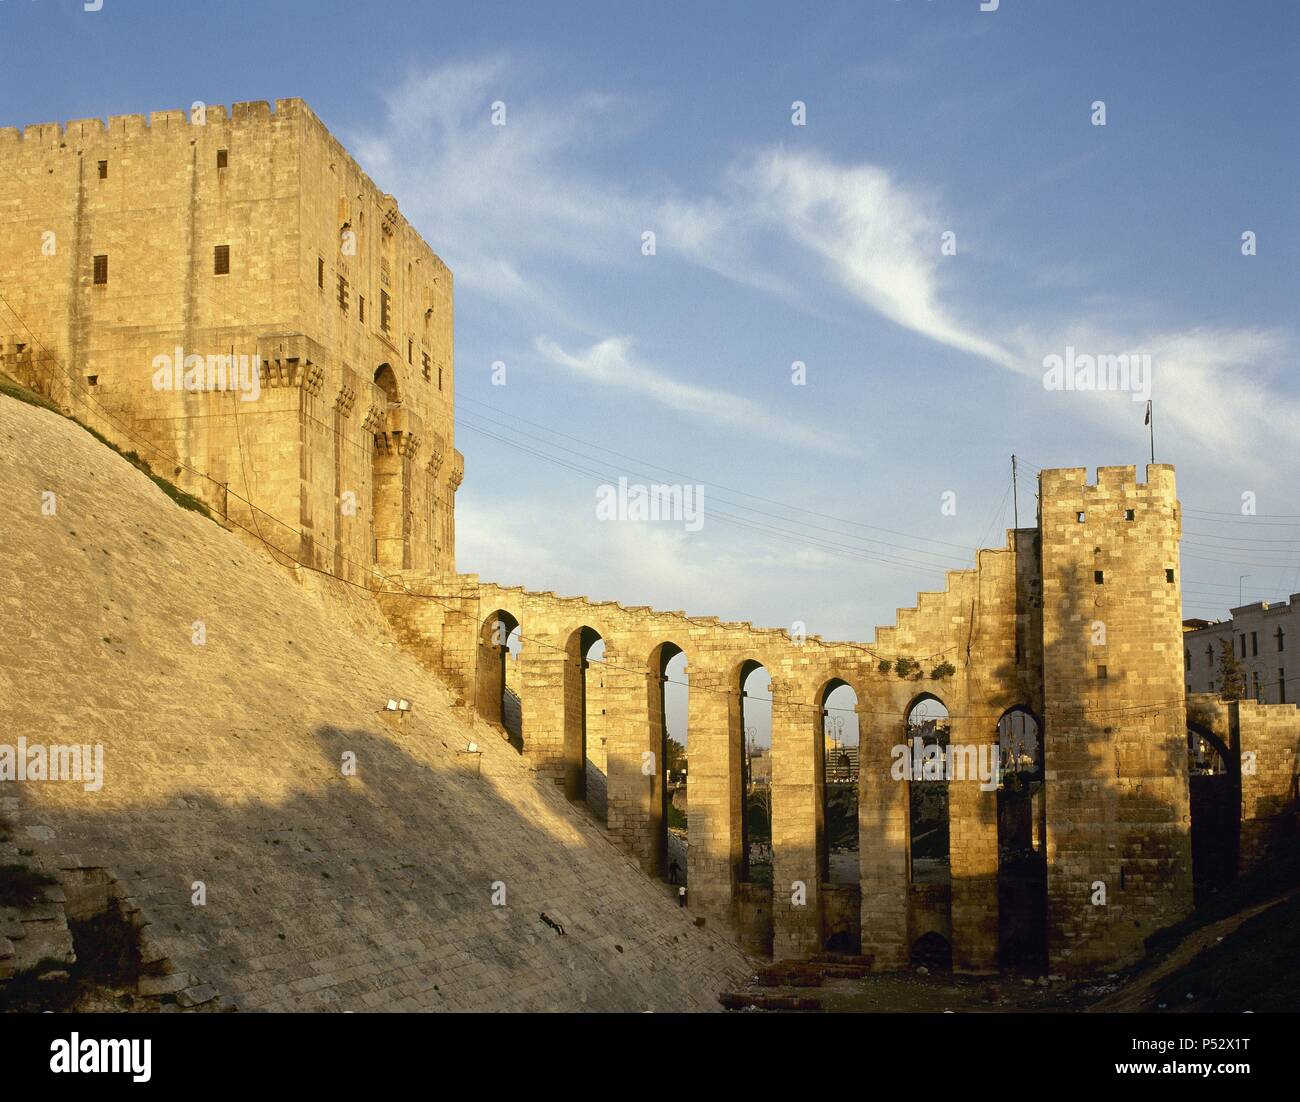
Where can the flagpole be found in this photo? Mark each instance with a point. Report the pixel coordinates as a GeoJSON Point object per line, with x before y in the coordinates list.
{"type": "Point", "coordinates": [1151, 421]}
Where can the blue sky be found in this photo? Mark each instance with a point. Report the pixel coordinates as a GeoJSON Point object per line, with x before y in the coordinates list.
{"type": "Point", "coordinates": [777, 243]}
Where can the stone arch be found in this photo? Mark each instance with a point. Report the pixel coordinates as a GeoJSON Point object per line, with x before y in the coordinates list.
{"type": "Point", "coordinates": [932, 950]}
{"type": "Point", "coordinates": [837, 825]}
{"type": "Point", "coordinates": [577, 650]}
{"type": "Point", "coordinates": [389, 480]}
{"type": "Point", "coordinates": [754, 733]}
{"type": "Point", "coordinates": [386, 379]}
{"type": "Point", "coordinates": [927, 726]}
{"type": "Point", "coordinates": [921, 698]}
{"type": "Point", "coordinates": [500, 640]}
{"type": "Point", "coordinates": [1021, 838]}
{"type": "Point", "coordinates": [1214, 796]}
{"type": "Point", "coordinates": [837, 768]}
{"type": "Point", "coordinates": [663, 859]}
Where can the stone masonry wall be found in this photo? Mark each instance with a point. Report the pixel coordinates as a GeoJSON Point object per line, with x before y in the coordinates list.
{"type": "Point", "coordinates": [341, 474]}
{"type": "Point", "coordinates": [1118, 842]}
{"type": "Point", "coordinates": [1265, 739]}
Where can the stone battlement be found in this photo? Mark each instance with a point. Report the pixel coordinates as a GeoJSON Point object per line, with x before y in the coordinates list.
{"type": "Point", "coordinates": [128, 126]}
{"type": "Point", "coordinates": [1067, 481]}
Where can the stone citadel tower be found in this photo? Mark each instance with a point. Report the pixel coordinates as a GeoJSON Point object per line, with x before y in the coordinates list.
{"type": "Point", "coordinates": [132, 253]}
{"type": "Point", "coordinates": [1118, 822]}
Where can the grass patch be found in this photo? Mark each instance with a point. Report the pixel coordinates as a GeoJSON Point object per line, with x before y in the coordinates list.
{"type": "Point", "coordinates": [13, 389]}
{"type": "Point", "coordinates": [21, 886]}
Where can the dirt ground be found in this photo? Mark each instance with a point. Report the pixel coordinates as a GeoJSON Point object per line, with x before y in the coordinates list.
{"type": "Point", "coordinates": [921, 991]}
{"type": "Point", "coordinates": [911, 993]}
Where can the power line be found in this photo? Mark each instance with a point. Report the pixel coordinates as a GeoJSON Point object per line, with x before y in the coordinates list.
{"type": "Point", "coordinates": [897, 560]}
{"type": "Point", "coordinates": [720, 486]}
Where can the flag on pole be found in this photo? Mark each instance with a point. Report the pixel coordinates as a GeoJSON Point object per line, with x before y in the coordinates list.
{"type": "Point", "coordinates": [1148, 420]}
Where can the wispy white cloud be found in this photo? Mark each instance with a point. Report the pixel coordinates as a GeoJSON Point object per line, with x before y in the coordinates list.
{"type": "Point", "coordinates": [611, 363]}
{"type": "Point", "coordinates": [879, 241]}
{"type": "Point", "coordinates": [494, 197]}
{"type": "Point", "coordinates": [1217, 386]}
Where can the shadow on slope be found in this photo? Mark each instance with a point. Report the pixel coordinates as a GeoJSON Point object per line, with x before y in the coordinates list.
{"type": "Point", "coordinates": [377, 891]}
{"type": "Point", "coordinates": [223, 774]}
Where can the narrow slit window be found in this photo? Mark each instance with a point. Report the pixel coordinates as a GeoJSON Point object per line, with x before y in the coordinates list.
{"type": "Point", "coordinates": [1169, 575]}
{"type": "Point", "coordinates": [223, 158]}
{"type": "Point", "coordinates": [343, 294]}
{"type": "Point", "coordinates": [101, 269]}
{"type": "Point", "coordinates": [1099, 577]}
{"type": "Point", "coordinates": [320, 273]}
{"type": "Point", "coordinates": [221, 260]}
{"type": "Point", "coordinates": [1102, 675]}
{"type": "Point", "coordinates": [103, 170]}
{"type": "Point", "coordinates": [361, 307]}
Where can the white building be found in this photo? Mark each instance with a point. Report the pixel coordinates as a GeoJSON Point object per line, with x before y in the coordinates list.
{"type": "Point", "coordinates": [1263, 637]}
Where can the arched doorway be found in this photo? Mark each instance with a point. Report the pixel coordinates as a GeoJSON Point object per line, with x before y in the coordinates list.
{"type": "Point", "coordinates": [1214, 790]}
{"type": "Point", "coordinates": [931, 950]}
{"type": "Point", "coordinates": [386, 380]}
{"type": "Point", "coordinates": [499, 682]}
{"type": "Point", "coordinates": [756, 758]}
{"type": "Point", "coordinates": [928, 729]}
{"type": "Point", "coordinates": [838, 851]}
{"type": "Point", "coordinates": [837, 818]}
{"type": "Point", "coordinates": [1022, 855]}
{"type": "Point", "coordinates": [584, 779]}
{"type": "Point", "coordinates": [388, 482]}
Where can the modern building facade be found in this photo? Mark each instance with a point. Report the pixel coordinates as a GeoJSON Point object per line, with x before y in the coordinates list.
{"type": "Point", "coordinates": [1263, 637]}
